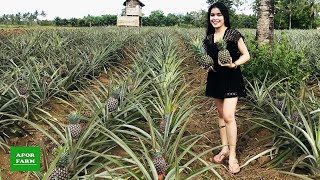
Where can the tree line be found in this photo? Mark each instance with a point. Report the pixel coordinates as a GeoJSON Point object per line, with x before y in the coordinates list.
{"type": "Point", "coordinates": [156, 18]}
{"type": "Point", "coordinates": [303, 14]}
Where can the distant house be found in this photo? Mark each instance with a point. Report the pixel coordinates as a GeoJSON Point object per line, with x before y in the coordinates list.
{"type": "Point", "coordinates": [132, 14]}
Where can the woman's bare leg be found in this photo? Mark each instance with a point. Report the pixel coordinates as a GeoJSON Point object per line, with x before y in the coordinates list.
{"type": "Point", "coordinates": [223, 132]}
{"type": "Point", "coordinates": [229, 109]}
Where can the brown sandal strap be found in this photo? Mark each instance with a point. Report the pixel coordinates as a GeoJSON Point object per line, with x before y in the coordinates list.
{"type": "Point", "coordinates": [222, 156]}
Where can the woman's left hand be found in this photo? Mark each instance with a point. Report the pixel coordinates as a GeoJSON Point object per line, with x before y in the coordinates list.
{"type": "Point", "coordinates": [232, 65]}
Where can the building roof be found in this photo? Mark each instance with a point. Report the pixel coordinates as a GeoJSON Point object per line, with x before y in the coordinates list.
{"type": "Point", "coordinates": [140, 3]}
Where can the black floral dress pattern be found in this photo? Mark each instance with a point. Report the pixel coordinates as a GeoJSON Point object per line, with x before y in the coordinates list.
{"type": "Point", "coordinates": [224, 82]}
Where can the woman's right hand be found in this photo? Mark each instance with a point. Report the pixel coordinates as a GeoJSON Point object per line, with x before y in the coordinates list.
{"type": "Point", "coordinates": [209, 68]}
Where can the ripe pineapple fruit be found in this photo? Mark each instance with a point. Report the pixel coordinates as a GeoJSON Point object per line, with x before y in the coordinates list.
{"type": "Point", "coordinates": [159, 163]}
{"type": "Point", "coordinates": [74, 126]}
{"type": "Point", "coordinates": [279, 104]}
{"type": "Point", "coordinates": [113, 101]}
{"type": "Point", "coordinates": [64, 72]}
{"type": "Point", "coordinates": [200, 50]}
{"type": "Point", "coordinates": [295, 116]}
{"type": "Point", "coordinates": [223, 54]}
{"type": "Point", "coordinates": [60, 171]}
{"type": "Point", "coordinates": [22, 90]}
{"type": "Point", "coordinates": [163, 123]}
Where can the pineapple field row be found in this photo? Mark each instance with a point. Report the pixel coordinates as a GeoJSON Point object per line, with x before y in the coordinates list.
{"type": "Point", "coordinates": [127, 103]}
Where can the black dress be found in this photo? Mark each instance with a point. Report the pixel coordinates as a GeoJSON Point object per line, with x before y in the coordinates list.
{"type": "Point", "coordinates": [224, 82]}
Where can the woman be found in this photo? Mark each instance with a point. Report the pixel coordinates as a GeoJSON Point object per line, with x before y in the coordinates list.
{"type": "Point", "coordinates": [225, 82]}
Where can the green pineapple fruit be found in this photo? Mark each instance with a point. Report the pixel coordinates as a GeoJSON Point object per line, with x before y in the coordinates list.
{"type": "Point", "coordinates": [60, 171]}
{"type": "Point", "coordinates": [200, 49]}
{"type": "Point", "coordinates": [223, 54]}
{"type": "Point", "coordinates": [113, 101]}
{"type": "Point", "coordinates": [159, 163]}
{"type": "Point", "coordinates": [74, 126]}
{"type": "Point", "coordinates": [163, 123]}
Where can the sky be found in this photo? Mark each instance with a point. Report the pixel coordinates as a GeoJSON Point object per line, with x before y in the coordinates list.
{"type": "Point", "coordinates": [80, 8]}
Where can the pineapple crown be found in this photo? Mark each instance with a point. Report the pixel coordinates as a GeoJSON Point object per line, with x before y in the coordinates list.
{"type": "Point", "coordinates": [221, 44]}
{"type": "Point", "coordinates": [195, 42]}
{"type": "Point", "coordinates": [64, 159]}
{"type": "Point", "coordinates": [116, 93]}
{"type": "Point", "coordinates": [166, 116]}
{"type": "Point", "coordinates": [74, 117]}
{"type": "Point", "coordinates": [156, 153]}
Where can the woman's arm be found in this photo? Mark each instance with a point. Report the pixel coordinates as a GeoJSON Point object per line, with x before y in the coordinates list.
{"type": "Point", "coordinates": [244, 57]}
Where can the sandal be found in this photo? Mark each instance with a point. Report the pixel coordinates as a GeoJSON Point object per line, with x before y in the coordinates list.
{"type": "Point", "coordinates": [234, 166]}
{"type": "Point", "coordinates": [220, 157]}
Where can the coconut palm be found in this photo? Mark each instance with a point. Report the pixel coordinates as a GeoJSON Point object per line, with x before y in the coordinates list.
{"type": "Point", "coordinates": [263, 33]}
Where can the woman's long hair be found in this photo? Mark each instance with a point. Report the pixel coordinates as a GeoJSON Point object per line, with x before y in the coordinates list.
{"type": "Point", "coordinates": [225, 13]}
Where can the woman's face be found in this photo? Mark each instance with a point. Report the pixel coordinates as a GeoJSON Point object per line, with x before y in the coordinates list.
{"type": "Point", "coordinates": [216, 18]}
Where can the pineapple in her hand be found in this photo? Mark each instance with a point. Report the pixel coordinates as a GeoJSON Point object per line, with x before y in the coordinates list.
{"type": "Point", "coordinates": [223, 54]}
{"type": "Point", "coordinates": [113, 101]}
{"type": "Point", "coordinates": [159, 163]}
{"type": "Point", "coordinates": [60, 171]}
{"type": "Point", "coordinates": [74, 126]}
{"type": "Point", "coordinates": [200, 50]}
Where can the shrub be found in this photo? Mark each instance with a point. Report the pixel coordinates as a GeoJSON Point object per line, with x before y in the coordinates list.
{"type": "Point", "coordinates": [278, 61]}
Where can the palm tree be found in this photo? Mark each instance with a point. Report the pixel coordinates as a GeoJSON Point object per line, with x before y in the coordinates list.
{"type": "Point", "coordinates": [265, 25]}
{"type": "Point", "coordinates": [290, 7]}
{"type": "Point", "coordinates": [314, 8]}
{"type": "Point", "coordinates": [43, 14]}
{"type": "Point", "coordinates": [271, 18]}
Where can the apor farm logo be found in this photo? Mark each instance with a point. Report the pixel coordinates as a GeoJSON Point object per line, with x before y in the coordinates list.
{"type": "Point", "coordinates": [23, 158]}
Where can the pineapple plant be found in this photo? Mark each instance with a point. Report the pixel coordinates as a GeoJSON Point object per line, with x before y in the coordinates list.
{"type": "Point", "coordinates": [200, 50]}
{"type": "Point", "coordinates": [113, 101]}
{"type": "Point", "coordinates": [159, 163]}
{"type": "Point", "coordinates": [163, 123]}
{"type": "Point", "coordinates": [223, 54]}
{"type": "Point", "coordinates": [74, 126]}
{"type": "Point", "coordinates": [60, 171]}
